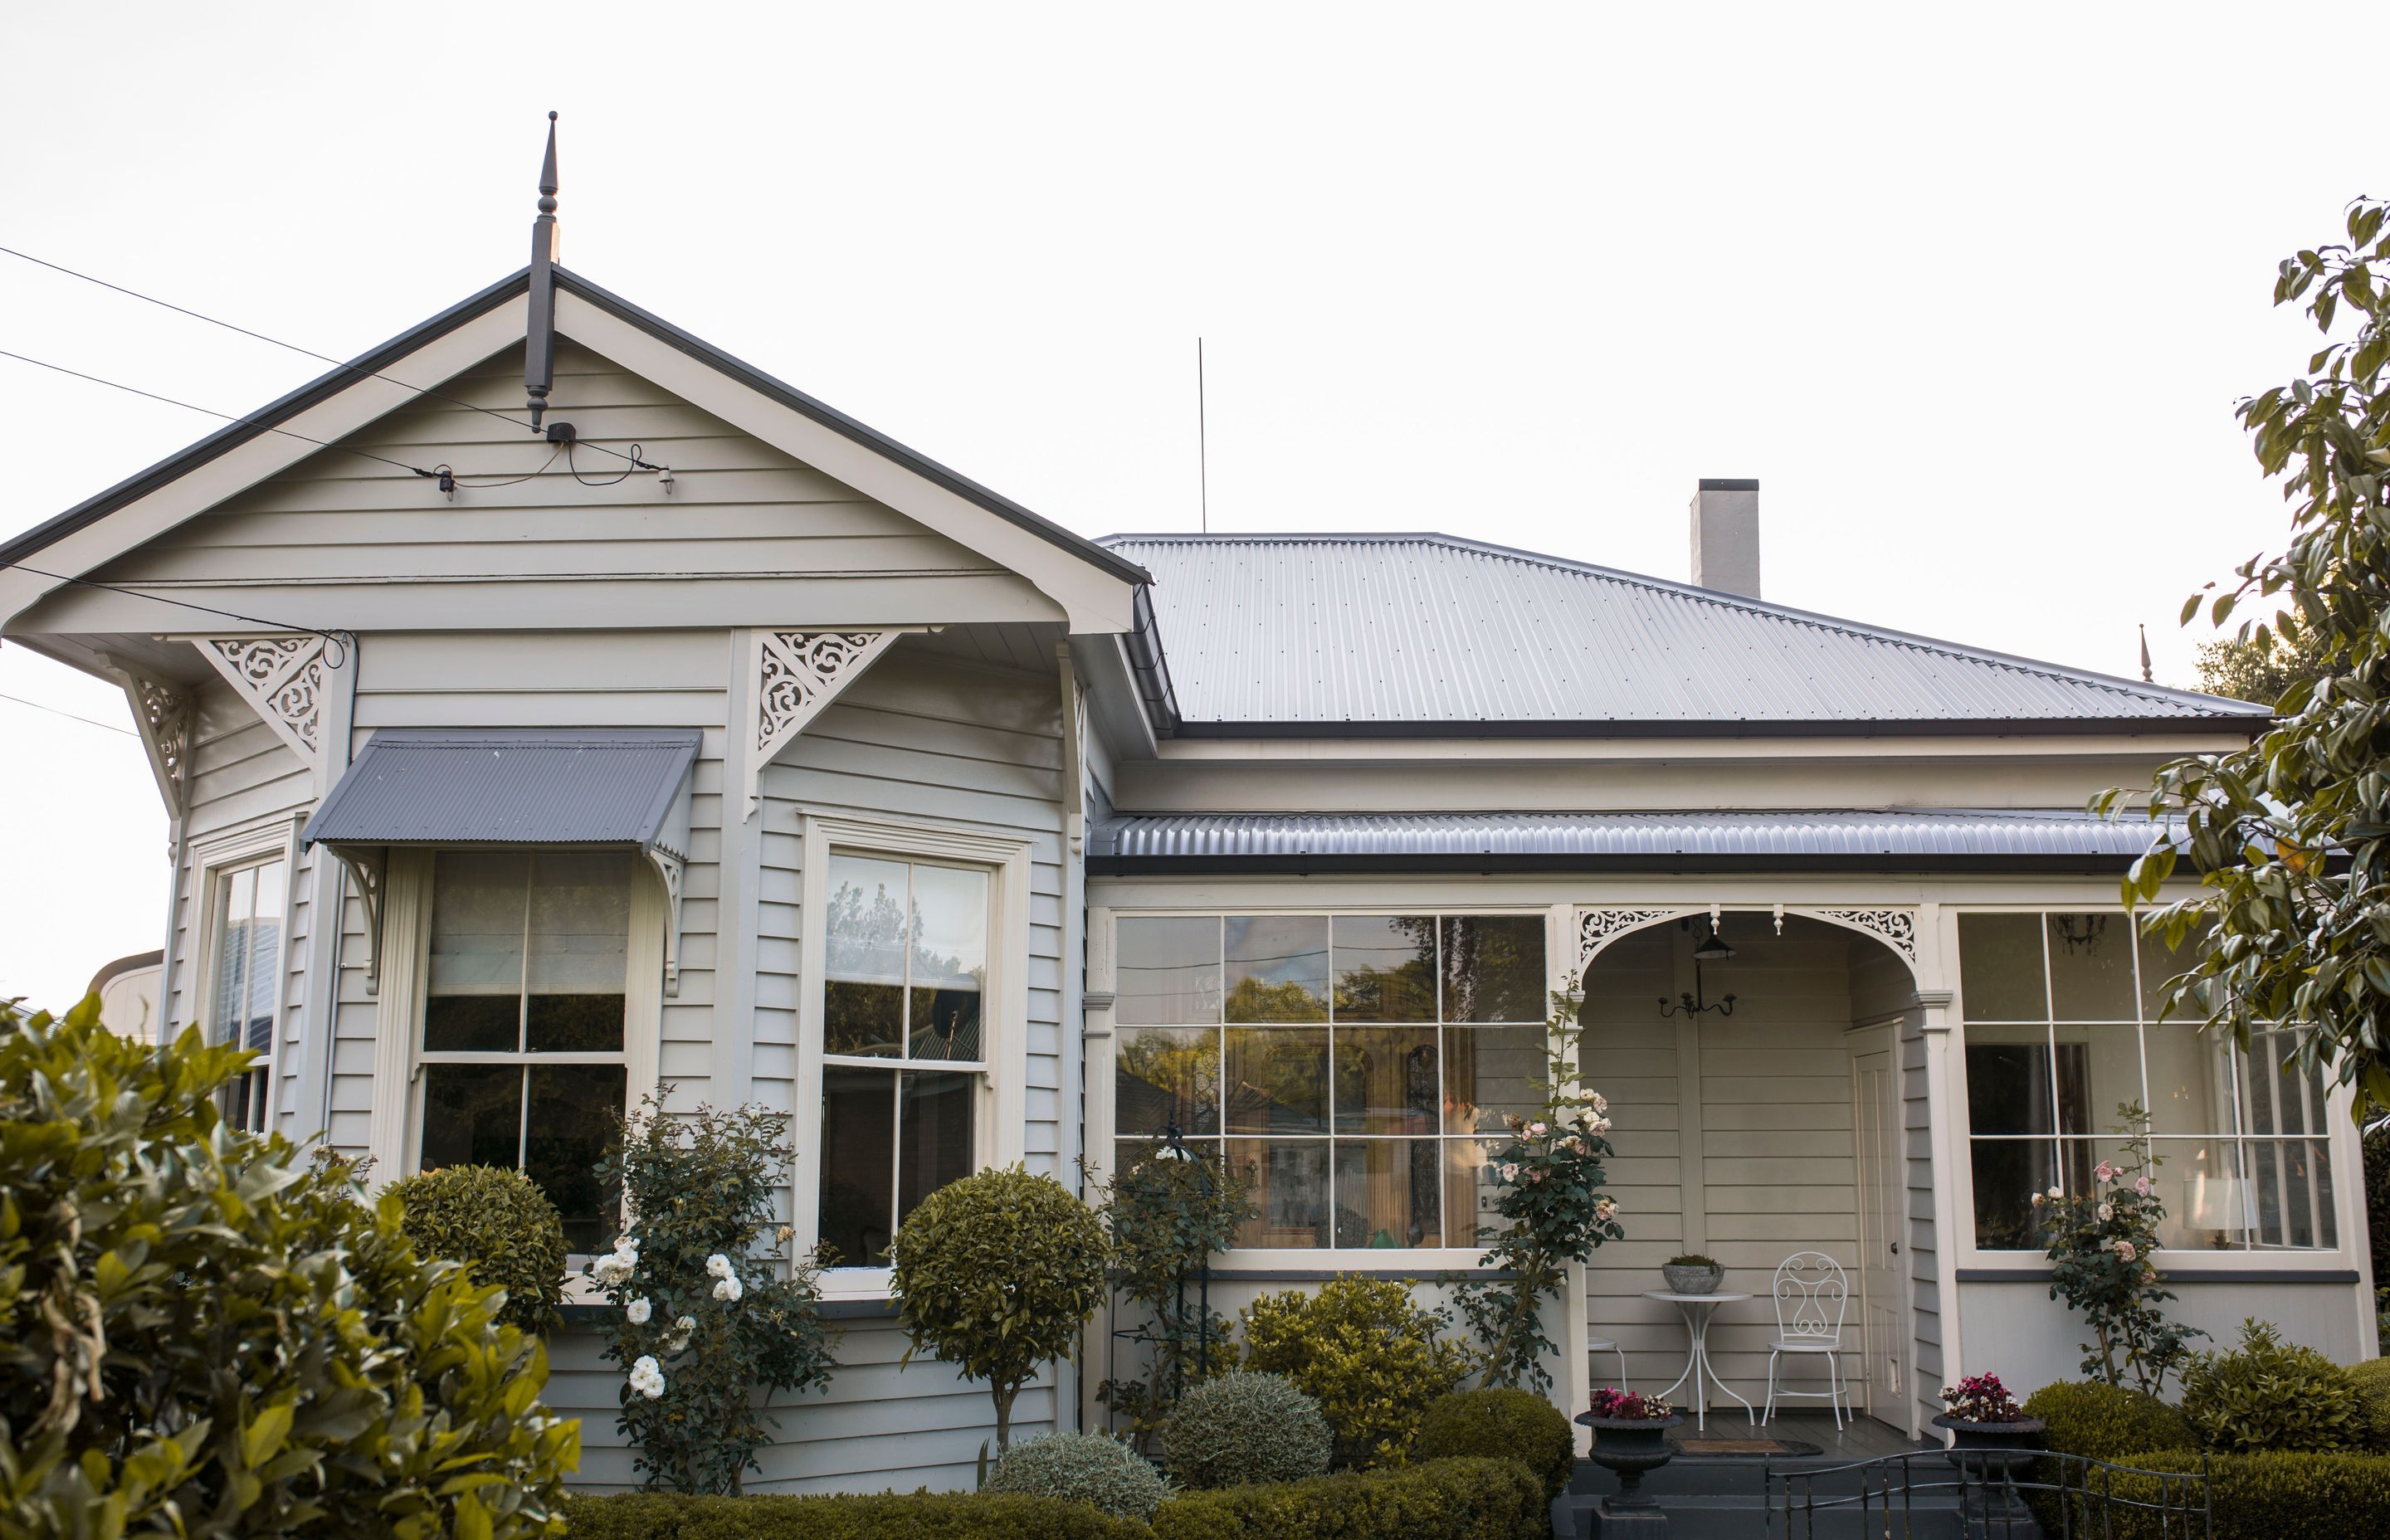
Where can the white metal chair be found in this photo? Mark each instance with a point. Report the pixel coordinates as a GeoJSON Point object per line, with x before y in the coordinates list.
{"type": "Point", "coordinates": [1605, 1344]}
{"type": "Point", "coordinates": [1811, 1293]}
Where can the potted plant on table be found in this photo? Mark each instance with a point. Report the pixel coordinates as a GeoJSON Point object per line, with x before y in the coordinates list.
{"type": "Point", "coordinates": [1630, 1436]}
{"type": "Point", "coordinates": [1693, 1273]}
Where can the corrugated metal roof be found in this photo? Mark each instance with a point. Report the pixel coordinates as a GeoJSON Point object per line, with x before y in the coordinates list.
{"type": "Point", "coordinates": [511, 785]}
{"type": "Point", "coordinates": [1322, 631]}
{"type": "Point", "coordinates": [1917, 837]}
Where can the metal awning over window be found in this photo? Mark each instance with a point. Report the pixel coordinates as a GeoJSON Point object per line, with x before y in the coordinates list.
{"type": "Point", "coordinates": [624, 786]}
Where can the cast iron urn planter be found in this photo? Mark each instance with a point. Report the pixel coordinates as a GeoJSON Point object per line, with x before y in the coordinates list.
{"type": "Point", "coordinates": [1991, 1455]}
{"type": "Point", "coordinates": [1691, 1280]}
{"type": "Point", "coordinates": [1628, 1446]}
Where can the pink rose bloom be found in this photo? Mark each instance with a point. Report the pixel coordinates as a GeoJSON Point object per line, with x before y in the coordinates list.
{"type": "Point", "coordinates": [1536, 1175]}
{"type": "Point", "coordinates": [2125, 1251]}
{"type": "Point", "coordinates": [2105, 1172]}
{"type": "Point", "coordinates": [2141, 1186]}
{"type": "Point", "coordinates": [1537, 1130]}
{"type": "Point", "coordinates": [1510, 1171]}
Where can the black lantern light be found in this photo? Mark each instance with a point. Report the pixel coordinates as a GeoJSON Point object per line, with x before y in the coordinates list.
{"type": "Point", "coordinates": [1713, 948]}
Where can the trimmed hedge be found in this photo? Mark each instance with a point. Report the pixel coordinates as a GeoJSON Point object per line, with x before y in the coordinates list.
{"type": "Point", "coordinates": [2278, 1495]}
{"type": "Point", "coordinates": [2108, 1422]}
{"type": "Point", "coordinates": [1095, 1468]}
{"type": "Point", "coordinates": [500, 1226]}
{"type": "Point", "coordinates": [2372, 1378]}
{"type": "Point", "coordinates": [1502, 1424]}
{"type": "Point", "coordinates": [1455, 1499]}
{"type": "Point", "coordinates": [887, 1516]}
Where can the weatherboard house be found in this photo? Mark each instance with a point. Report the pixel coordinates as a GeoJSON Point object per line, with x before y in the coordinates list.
{"type": "Point", "coordinates": [775, 762]}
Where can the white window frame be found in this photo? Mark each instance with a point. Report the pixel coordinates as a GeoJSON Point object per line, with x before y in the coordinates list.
{"type": "Point", "coordinates": [1000, 1111]}
{"type": "Point", "coordinates": [213, 859]}
{"type": "Point", "coordinates": [407, 969]}
{"type": "Point", "coordinates": [2340, 1132]}
{"type": "Point", "coordinates": [1327, 1261]}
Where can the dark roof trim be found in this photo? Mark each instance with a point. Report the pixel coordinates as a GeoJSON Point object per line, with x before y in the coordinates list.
{"type": "Point", "coordinates": [2065, 726]}
{"type": "Point", "coordinates": [1728, 484]}
{"type": "Point", "coordinates": [2087, 863]}
{"type": "Point", "coordinates": [839, 423]}
{"type": "Point", "coordinates": [232, 435]}
{"type": "Point", "coordinates": [1150, 667]}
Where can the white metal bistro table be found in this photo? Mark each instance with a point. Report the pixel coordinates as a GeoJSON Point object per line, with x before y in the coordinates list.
{"type": "Point", "coordinates": [1697, 1309]}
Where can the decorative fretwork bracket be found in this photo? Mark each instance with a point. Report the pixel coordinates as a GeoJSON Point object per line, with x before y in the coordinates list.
{"type": "Point", "coordinates": [1596, 928]}
{"type": "Point", "coordinates": [283, 677]}
{"type": "Point", "coordinates": [791, 675]}
{"type": "Point", "coordinates": [162, 712]}
{"type": "Point", "coordinates": [368, 867]}
{"type": "Point", "coordinates": [1895, 928]}
{"type": "Point", "coordinates": [670, 868]}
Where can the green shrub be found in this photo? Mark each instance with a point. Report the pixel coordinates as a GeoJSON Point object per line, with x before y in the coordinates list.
{"type": "Point", "coordinates": [202, 1334]}
{"type": "Point", "coordinates": [2269, 1394]}
{"type": "Point", "coordinates": [705, 1318]}
{"type": "Point", "coordinates": [500, 1226]}
{"type": "Point", "coordinates": [886, 1515]}
{"type": "Point", "coordinates": [1246, 1426]}
{"type": "Point", "coordinates": [2372, 1380]}
{"type": "Point", "coordinates": [2274, 1496]}
{"type": "Point", "coordinates": [1502, 1424]}
{"type": "Point", "coordinates": [1442, 1500]}
{"type": "Point", "coordinates": [1082, 1468]}
{"type": "Point", "coordinates": [1369, 1354]}
{"type": "Point", "coordinates": [996, 1274]}
{"type": "Point", "coordinates": [2107, 1422]}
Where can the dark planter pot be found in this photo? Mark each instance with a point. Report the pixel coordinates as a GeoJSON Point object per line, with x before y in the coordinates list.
{"type": "Point", "coordinates": [1991, 1455]}
{"type": "Point", "coordinates": [1628, 1446]}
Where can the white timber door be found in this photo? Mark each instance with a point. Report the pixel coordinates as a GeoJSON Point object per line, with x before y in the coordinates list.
{"type": "Point", "coordinates": [1875, 1094]}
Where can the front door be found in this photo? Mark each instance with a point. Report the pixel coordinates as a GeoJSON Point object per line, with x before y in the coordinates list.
{"type": "Point", "coordinates": [1882, 1190]}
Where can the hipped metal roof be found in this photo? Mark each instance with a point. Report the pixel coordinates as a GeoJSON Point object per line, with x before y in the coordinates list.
{"type": "Point", "coordinates": [1327, 633]}
{"type": "Point", "coordinates": [1853, 840]}
{"type": "Point", "coordinates": [513, 786]}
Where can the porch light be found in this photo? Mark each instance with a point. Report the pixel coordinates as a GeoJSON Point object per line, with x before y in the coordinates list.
{"type": "Point", "coordinates": [1711, 948]}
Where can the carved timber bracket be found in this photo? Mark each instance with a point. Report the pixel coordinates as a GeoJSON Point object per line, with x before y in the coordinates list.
{"type": "Point", "coordinates": [282, 678]}
{"type": "Point", "coordinates": [368, 867]}
{"type": "Point", "coordinates": [162, 712]}
{"type": "Point", "coordinates": [1598, 927]}
{"type": "Point", "coordinates": [670, 868]}
{"type": "Point", "coordinates": [791, 675]}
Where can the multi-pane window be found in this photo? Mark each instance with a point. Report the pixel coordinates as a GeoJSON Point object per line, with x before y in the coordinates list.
{"type": "Point", "coordinates": [2063, 1026]}
{"type": "Point", "coordinates": [1353, 1069]}
{"type": "Point", "coordinates": [247, 924]}
{"type": "Point", "coordinates": [905, 973]}
{"type": "Point", "coordinates": [523, 1020]}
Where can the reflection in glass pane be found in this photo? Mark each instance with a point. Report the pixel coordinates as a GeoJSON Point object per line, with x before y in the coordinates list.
{"type": "Point", "coordinates": [2007, 1082]}
{"type": "Point", "coordinates": [1387, 1193]}
{"type": "Point", "coordinates": [2159, 965]}
{"type": "Point", "coordinates": [2290, 1181]}
{"type": "Point", "coordinates": [1468, 1192]}
{"type": "Point", "coordinates": [863, 1020]}
{"type": "Point", "coordinates": [1168, 971]}
{"type": "Point", "coordinates": [2098, 1071]}
{"type": "Point", "coordinates": [479, 908]}
{"type": "Point", "coordinates": [2205, 1195]}
{"type": "Point", "coordinates": [1490, 1070]}
{"type": "Point", "coordinates": [1277, 968]}
{"type": "Point", "coordinates": [472, 1115]}
{"type": "Point", "coordinates": [2000, 967]}
{"type": "Point", "coordinates": [934, 1124]}
{"type": "Point", "coordinates": [858, 1179]}
{"type": "Point", "coordinates": [1288, 1183]}
{"type": "Point", "coordinates": [2190, 1080]}
{"type": "Point", "coordinates": [864, 933]}
{"type": "Point", "coordinates": [1126, 1153]}
{"type": "Point", "coordinates": [575, 1111]}
{"type": "Point", "coordinates": [949, 961]}
{"type": "Point", "coordinates": [1276, 1079]}
{"type": "Point", "coordinates": [2091, 968]}
{"type": "Point", "coordinates": [1166, 1075]}
{"type": "Point", "coordinates": [2007, 1173]}
{"type": "Point", "coordinates": [1385, 1080]}
{"type": "Point", "coordinates": [1385, 968]}
{"type": "Point", "coordinates": [1494, 969]}
{"type": "Point", "coordinates": [945, 1023]}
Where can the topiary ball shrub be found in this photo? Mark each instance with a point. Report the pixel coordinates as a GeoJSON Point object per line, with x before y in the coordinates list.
{"type": "Point", "coordinates": [996, 1274]}
{"type": "Point", "coordinates": [1501, 1424]}
{"type": "Point", "coordinates": [1371, 1357]}
{"type": "Point", "coordinates": [203, 1334]}
{"type": "Point", "coordinates": [2107, 1422]}
{"type": "Point", "coordinates": [2372, 1380]}
{"type": "Point", "coordinates": [2271, 1394]}
{"type": "Point", "coordinates": [1082, 1468]}
{"type": "Point", "coordinates": [1245, 1427]}
{"type": "Point", "coordinates": [500, 1226]}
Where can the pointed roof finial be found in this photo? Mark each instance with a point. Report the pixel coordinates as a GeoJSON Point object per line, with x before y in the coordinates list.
{"type": "Point", "coordinates": [539, 349]}
{"type": "Point", "coordinates": [2146, 677]}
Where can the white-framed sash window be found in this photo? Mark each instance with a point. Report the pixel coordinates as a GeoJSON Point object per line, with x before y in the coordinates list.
{"type": "Point", "coordinates": [244, 882]}
{"type": "Point", "coordinates": [912, 1028]}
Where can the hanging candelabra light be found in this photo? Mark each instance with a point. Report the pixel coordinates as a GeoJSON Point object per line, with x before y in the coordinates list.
{"type": "Point", "coordinates": [1694, 1003]}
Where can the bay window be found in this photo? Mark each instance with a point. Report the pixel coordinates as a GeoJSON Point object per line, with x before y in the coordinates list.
{"type": "Point", "coordinates": [1352, 1069]}
{"type": "Point", "coordinates": [2061, 1026]}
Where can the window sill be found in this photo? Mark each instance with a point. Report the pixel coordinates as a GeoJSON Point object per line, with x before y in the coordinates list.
{"type": "Point", "coordinates": [2272, 1274]}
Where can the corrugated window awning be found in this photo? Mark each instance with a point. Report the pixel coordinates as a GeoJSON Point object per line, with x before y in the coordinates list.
{"type": "Point", "coordinates": [626, 787]}
{"type": "Point", "coordinates": [1813, 840]}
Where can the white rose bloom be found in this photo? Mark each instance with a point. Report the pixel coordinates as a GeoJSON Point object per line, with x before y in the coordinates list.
{"type": "Point", "coordinates": [2055, 1194]}
{"type": "Point", "coordinates": [728, 1291]}
{"type": "Point", "coordinates": [647, 1377]}
{"type": "Point", "coordinates": [2106, 1213]}
{"type": "Point", "coordinates": [718, 1264]}
{"type": "Point", "coordinates": [638, 1312]}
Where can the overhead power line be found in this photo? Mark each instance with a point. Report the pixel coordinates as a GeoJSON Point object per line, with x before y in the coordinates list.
{"type": "Point", "coordinates": [86, 721]}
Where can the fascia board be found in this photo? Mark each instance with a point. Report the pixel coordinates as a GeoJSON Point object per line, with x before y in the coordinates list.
{"type": "Point", "coordinates": [1091, 600]}
{"type": "Point", "coordinates": [267, 455]}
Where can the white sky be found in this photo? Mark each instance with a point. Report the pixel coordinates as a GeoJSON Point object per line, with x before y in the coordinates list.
{"type": "Point", "coordinates": [1971, 292]}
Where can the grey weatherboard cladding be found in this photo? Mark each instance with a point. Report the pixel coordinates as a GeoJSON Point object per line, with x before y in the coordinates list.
{"type": "Point", "coordinates": [1392, 634]}
{"type": "Point", "coordinates": [607, 786]}
{"type": "Point", "coordinates": [1856, 839]}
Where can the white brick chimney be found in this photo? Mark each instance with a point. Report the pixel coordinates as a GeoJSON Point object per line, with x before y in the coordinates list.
{"type": "Point", "coordinates": [1726, 535]}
